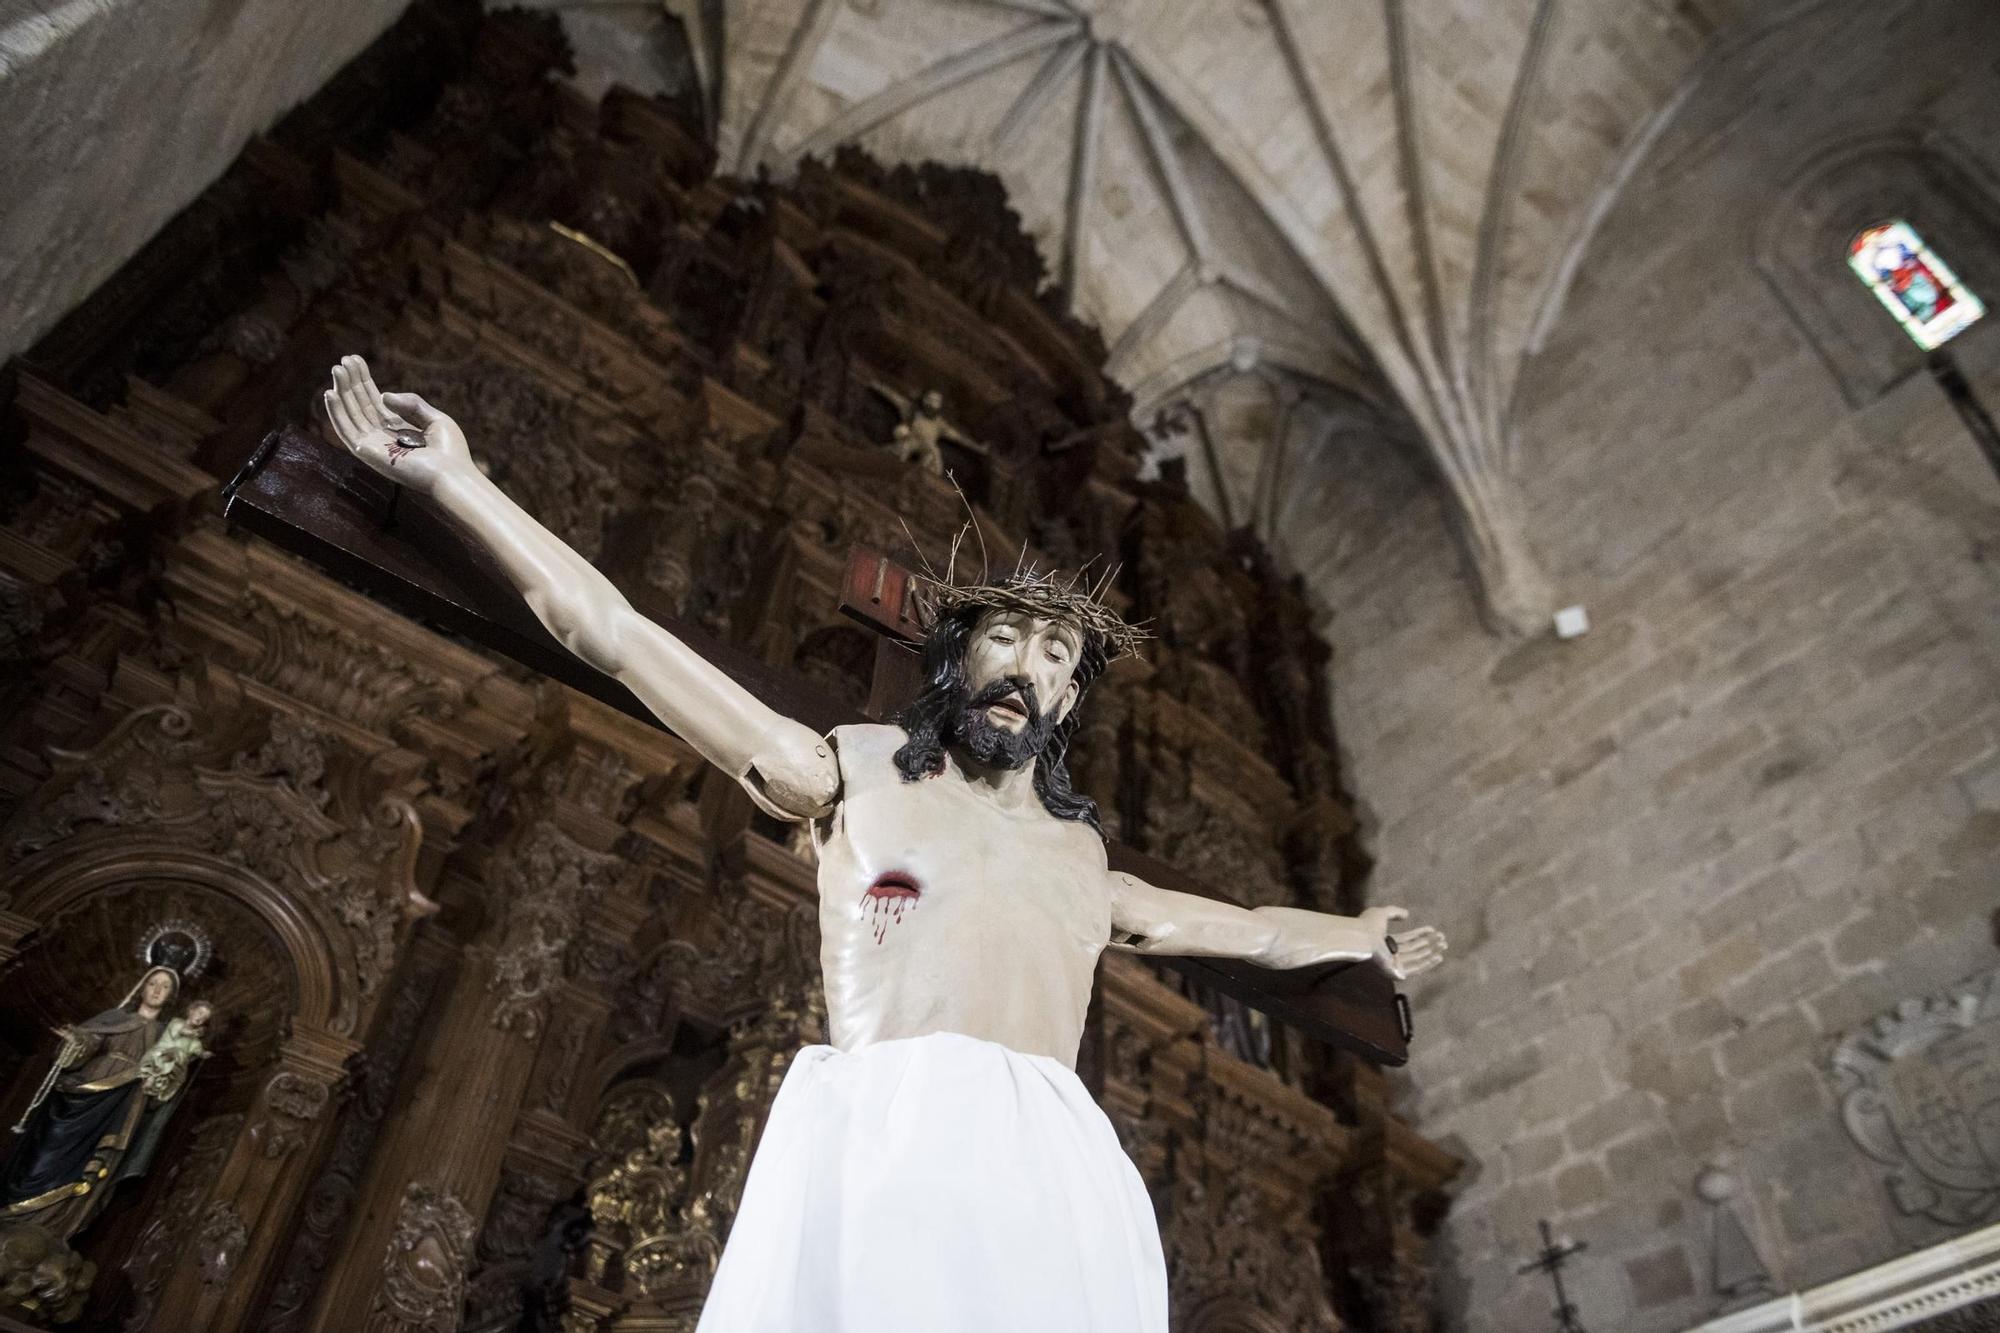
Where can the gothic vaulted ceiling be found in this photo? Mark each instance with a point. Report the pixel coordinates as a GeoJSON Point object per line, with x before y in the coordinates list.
{"type": "Point", "coordinates": [1330, 194]}
{"type": "Point", "coordinates": [1337, 202]}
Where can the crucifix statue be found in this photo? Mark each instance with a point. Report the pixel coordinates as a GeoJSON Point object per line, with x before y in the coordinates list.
{"type": "Point", "coordinates": [965, 896]}
{"type": "Point", "coordinates": [920, 434]}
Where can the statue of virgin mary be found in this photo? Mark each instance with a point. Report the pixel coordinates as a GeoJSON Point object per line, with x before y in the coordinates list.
{"type": "Point", "coordinates": [99, 1118]}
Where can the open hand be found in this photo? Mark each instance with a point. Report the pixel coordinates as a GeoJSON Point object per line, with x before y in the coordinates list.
{"type": "Point", "coordinates": [1406, 953]}
{"type": "Point", "coordinates": [398, 435]}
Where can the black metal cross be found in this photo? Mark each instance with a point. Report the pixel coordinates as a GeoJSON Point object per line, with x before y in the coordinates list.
{"type": "Point", "coordinates": [1551, 1261]}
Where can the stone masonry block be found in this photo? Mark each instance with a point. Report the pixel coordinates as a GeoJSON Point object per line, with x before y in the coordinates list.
{"type": "Point", "coordinates": [1852, 1001]}
{"type": "Point", "coordinates": [1504, 1074]}
{"type": "Point", "coordinates": [1981, 782]}
{"type": "Point", "coordinates": [1765, 1044]}
{"type": "Point", "coordinates": [1660, 1278]}
{"type": "Point", "coordinates": [1885, 928]}
{"type": "Point", "coordinates": [1641, 1160]}
{"type": "Point", "coordinates": [1831, 862]}
{"type": "Point", "coordinates": [1721, 964]}
{"type": "Point", "coordinates": [1806, 970]}
{"type": "Point", "coordinates": [1699, 1020]}
{"type": "Point", "coordinates": [1699, 1122]}
{"type": "Point", "coordinates": [1581, 1186]}
{"type": "Point", "coordinates": [1532, 1156]}
{"type": "Point", "coordinates": [1921, 816]}
{"type": "Point", "coordinates": [1713, 758]}
{"type": "Point", "coordinates": [1785, 1095]}
{"type": "Point", "coordinates": [1756, 901]}
{"type": "Point", "coordinates": [1613, 1119]}
{"type": "Point", "coordinates": [1974, 850]}
{"type": "Point", "coordinates": [1555, 1091]}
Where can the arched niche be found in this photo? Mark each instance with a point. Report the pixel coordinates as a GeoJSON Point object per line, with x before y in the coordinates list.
{"type": "Point", "coordinates": [64, 892]}
{"type": "Point", "coordinates": [1911, 174]}
{"type": "Point", "coordinates": [271, 975]}
{"type": "Point", "coordinates": [85, 960]}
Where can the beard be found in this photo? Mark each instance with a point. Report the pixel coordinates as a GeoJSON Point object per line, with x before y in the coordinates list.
{"type": "Point", "coordinates": [996, 747]}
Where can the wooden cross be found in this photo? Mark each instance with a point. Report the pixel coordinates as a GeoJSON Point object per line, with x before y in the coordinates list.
{"type": "Point", "coordinates": [317, 502]}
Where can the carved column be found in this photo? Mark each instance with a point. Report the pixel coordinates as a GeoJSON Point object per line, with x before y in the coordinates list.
{"type": "Point", "coordinates": [1389, 1202]}
{"type": "Point", "coordinates": [246, 1222]}
{"type": "Point", "coordinates": [443, 1153]}
{"type": "Point", "coordinates": [335, 1194]}
{"type": "Point", "coordinates": [549, 1152]}
{"type": "Point", "coordinates": [402, 1264]}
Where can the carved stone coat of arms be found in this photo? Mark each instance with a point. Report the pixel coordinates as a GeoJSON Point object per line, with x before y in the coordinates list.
{"type": "Point", "coordinates": [1921, 1094]}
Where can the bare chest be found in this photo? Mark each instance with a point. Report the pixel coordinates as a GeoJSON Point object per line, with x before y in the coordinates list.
{"type": "Point", "coordinates": [939, 862]}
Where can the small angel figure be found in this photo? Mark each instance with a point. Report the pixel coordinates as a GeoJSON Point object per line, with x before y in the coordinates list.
{"type": "Point", "coordinates": [164, 1068]}
{"type": "Point", "coordinates": [918, 437]}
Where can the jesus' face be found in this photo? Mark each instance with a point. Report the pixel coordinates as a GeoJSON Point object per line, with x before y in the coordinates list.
{"type": "Point", "coordinates": [1020, 672]}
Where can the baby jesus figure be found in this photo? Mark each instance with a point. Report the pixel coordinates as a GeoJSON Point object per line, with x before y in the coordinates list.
{"type": "Point", "coordinates": [164, 1068]}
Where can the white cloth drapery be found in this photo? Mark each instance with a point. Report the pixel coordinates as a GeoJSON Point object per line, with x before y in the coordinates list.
{"type": "Point", "coordinates": [939, 1184]}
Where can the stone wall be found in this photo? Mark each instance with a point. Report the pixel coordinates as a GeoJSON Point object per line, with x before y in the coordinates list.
{"type": "Point", "coordinates": [1760, 802]}
{"type": "Point", "coordinates": [118, 113]}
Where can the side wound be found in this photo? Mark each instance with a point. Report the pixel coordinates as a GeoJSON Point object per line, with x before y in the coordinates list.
{"type": "Point", "coordinates": [885, 901]}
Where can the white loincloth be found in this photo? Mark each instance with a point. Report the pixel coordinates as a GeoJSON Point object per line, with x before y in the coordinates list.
{"type": "Point", "coordinates": [939, 1184]}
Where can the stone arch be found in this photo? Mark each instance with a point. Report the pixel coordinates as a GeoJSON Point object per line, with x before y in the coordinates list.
{"type": "Point", "coordinates": [1911, 172]}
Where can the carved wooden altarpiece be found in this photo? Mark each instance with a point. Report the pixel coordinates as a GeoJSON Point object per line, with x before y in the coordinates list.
{"type": "Point", "coordinates": [511, 981]}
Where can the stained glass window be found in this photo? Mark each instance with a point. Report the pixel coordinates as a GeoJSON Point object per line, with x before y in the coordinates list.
{"type": "Point", "coordinates": [1926, 298]}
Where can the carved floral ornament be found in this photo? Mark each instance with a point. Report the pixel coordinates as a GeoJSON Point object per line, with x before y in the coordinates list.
{"type": "Point", "coordinates": [423, 1273]}
{"type": "Point", "coordinates": [220, 1242]}
{"type": "Point", "coordinates": [293, 1104]}
{"type": "Point", "coordinates": [549, 886]}
{"type": "Point", "coordinates": [341, 672]}
{"type": "Point", "coordinates": [1248, 1263]}
{"type": "Point", "coordinates": [168, 778]}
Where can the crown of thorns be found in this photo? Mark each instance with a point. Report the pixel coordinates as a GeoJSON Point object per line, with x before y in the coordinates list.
{"type": "Point", "coordinates": [1045, 594]}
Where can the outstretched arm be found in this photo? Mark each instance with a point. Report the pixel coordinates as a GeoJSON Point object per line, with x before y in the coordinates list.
{"type": "Point", "coordinates": [788, 770]}
{"type": "Point", "coordinates": [1147, 919]}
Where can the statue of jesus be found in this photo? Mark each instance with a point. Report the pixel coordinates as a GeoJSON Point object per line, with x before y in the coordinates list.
{"type": "Point", "coordinates": [938, 1165]}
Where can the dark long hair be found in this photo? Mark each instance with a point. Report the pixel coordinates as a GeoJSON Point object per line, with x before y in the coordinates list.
{"type": "Point", "coordinates": [932, 717]}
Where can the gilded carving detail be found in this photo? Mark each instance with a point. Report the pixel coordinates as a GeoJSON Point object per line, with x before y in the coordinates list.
{"type": "Point", "coordinates": [41, 1277]}
{"type": "Point", "coordinates": [639, 1197]}
{"type": "Point", "coordinates": [516, 1224]}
